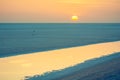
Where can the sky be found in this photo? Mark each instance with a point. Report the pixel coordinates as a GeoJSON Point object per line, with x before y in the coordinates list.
{"type": "Point", "coordinates": [59, 11]}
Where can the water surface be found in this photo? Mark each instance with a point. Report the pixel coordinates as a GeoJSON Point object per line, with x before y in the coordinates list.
{"type": "Point", "coordinates": [22, 38]}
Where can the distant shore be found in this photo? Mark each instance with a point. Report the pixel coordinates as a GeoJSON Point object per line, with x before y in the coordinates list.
{"type": "Point", "coordinates": [15, 67]}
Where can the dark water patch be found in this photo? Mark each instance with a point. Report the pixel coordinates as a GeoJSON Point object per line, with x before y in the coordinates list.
{"type": "Point", "coordinates": [103, 68]}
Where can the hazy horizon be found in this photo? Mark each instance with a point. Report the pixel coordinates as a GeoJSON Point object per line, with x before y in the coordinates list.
{"type": "Point", "coordinates": [59, 23]}
{"type": "Point", "coordinates": [59, 11]}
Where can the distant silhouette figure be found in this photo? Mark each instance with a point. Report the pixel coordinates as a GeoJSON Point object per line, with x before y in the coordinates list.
{"type": "Point", "coordinates": [33, 32]}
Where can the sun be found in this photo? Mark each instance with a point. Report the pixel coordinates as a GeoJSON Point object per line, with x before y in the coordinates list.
{"type": "Point", "coordinates": [74, 18]}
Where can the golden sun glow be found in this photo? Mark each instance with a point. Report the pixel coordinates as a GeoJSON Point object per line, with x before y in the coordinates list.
{"type": "Point", "coordinates": [74, 18]}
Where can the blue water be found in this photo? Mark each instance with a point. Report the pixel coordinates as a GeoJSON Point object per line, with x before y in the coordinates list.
{"type": "Point", "coordinates": [18, 38]}
{"type": "Point", "coordinates": [79, 68]}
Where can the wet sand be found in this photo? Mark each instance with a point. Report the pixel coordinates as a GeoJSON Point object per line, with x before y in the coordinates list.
{"type": "Point", "coordinates": [16, 67]}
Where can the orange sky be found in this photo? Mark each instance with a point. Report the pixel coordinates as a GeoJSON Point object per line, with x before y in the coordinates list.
{"type": "Point", "coordinates": [59, 10]}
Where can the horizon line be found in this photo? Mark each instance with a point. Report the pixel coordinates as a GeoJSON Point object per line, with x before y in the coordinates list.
{"type": "Point", "coordinates": [58, 22]}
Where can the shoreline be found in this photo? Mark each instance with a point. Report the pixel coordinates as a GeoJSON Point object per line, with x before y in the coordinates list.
{"type": "Point", "coordinates": [37, 52]}
{"type": "Point", "coordinates": [41, 62]}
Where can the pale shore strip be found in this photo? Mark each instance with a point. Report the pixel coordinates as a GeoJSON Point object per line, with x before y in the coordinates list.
{"type": "Point", "coordinates": [16, 67]}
